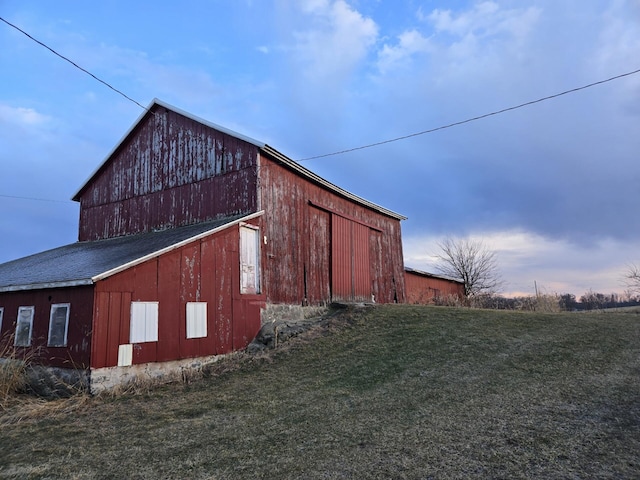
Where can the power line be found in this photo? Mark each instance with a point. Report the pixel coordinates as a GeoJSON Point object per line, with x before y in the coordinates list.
{"type": "Point", "coordinates": [36, 199]}
{"type": "Point", "coordinates": [473, 119]}
{"type": "Point", "coordinates": [443, 127]}
{"type": "Point", "coordinates": [73, 63]}
{"type": "Point", "coordinates": [340, 152]}
{"type": "Point", "coordinates": [362, 147]}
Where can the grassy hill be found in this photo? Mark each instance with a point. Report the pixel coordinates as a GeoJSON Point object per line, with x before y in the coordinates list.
{"type": "Point", "coordinates": [389, 392]}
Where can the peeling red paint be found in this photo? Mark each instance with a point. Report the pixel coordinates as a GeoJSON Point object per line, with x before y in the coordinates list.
{"type": "Point", "coordinates": [171, 171]}
{"type": "Point", "coordinates": [322, 247]}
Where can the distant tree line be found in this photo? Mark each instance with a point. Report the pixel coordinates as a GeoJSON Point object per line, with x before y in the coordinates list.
{"type": "Point", "coordinates": [594, 301]}
{"type": "Point", "coordinates": [566, 302]}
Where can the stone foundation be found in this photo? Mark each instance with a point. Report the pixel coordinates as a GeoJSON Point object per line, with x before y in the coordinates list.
{"type": "Point", "coordinates": [290, 313]}
{"type": "Point", "coordinates": [109, 378]}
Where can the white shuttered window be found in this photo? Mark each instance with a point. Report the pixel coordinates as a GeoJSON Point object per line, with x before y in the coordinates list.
{"type": "Point", "coordinates": [249, 260]}
{"type": "Point", "coordinates": [196, 319]}
{"type": "Point", "coordinates": [144, 322]}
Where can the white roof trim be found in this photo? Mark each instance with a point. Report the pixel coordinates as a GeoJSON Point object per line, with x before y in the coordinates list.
{"type": "Point", "coordinates": [40, 286]}
{"type": "Point", "coordinates": [175, 246]}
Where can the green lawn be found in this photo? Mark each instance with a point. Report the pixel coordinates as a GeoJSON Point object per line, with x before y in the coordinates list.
{"type": "Point", "coordinates": [388, 392]}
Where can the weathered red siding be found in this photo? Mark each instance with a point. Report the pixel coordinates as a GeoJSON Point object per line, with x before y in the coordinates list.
{"type": "Point", "coordinates": [361, 246]}
{"type": "Point", "coordinates": [317, 277]}
{"type": "Point", "coordinates": [77, 352]}
{"type": "Point", "coordinates": [424, 288]}
{"type": "Point", "coordinates": [206, 270]}
{"type": "Point", "coordinates": [170, 171]}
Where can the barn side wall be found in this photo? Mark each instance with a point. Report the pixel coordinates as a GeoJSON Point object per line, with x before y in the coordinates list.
{"type": "Point", "coordinates": [205, 270]}
{"type": "Point", "coordinates": [423, 289]}
{"type": "Point", "coordinates": [171, 171]}
{"type": "Point", "coordinates": [76, 355]}
{"type": "Point", "coordinates": [302, 244]}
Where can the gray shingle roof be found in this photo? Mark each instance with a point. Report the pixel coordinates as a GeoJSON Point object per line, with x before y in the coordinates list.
{"type": "Point", "coordinates": [78, 263]}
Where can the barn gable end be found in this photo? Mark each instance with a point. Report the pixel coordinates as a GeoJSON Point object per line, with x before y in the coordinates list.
{"type": "Point", "coordinates": [170, 170]}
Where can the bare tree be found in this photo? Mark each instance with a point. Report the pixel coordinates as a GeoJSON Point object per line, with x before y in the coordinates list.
{"type": "Point", "coordinates": [632, 278]}
{"type": "Point", "coordinates": [471, 262]}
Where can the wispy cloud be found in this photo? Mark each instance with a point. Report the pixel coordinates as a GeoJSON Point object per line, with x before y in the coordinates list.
{"type": "Point", "coordinates": [22, 116]}
{"type": "Point", "coordinates": [335, 41]}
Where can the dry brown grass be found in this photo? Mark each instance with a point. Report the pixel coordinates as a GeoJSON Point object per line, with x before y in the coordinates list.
{"type": "Point", "coordinates": [13, 371]}
{"type": "Point", "coordinates": [392, 392]}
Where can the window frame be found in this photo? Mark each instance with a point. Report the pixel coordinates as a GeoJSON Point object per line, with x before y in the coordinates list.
{"type": "Point", "coordinates": [144, 330]}
{"type": "Point", "coordinates": [1, 315]}
{"type": "Point", "coordinates": [196, 319]}
{"type": "Point", "coordinates": [66, 323]}
{"type": "Point", "coordinates": [21, 309]}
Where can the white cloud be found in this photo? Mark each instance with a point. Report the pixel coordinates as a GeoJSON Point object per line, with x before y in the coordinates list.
{"type": "Point", "coordinates": [409, 44]}
{"type": "Point", "coordinates": [464, 23]}
{"type": "Point", "coordinates": [462, 44]}
{"type": "Point", "coordinates": [337, 40]}
{"type": "Point", "coordinates": [22, 116]}
{"type": "Point", "coordinates": [481, 37]}
{"type": "Point", "coordinates": [484, 20]}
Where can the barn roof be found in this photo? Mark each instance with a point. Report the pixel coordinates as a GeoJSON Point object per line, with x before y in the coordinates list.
{"type": "Point", "coordinates": [84, 263]}
{"type": "Point", "coordinates": [430, 275]}
{"type": "Point", "coordinates": [263, 147]}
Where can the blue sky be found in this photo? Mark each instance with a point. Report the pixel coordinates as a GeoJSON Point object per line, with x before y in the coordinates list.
{"type": "Point", "coordinates": [554, 187]}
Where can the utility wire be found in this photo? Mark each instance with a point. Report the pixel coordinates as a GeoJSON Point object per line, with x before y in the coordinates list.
{"type": "Point", "coordinates": [473, 119]}
{"type": "Point", "coordinates": [36, 199]}
{"type": "Point", "coordinates": [73, 63]}
{"type": "Point", "coordinates": [340, 152]}
{"type": "Point", "coordinates": [383, 142]}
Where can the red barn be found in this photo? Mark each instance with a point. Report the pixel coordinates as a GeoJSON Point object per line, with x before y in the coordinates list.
{"type": "Point", "coordinates": [188, 231]}
{"type": "Point", "coordinates": [424, 288]}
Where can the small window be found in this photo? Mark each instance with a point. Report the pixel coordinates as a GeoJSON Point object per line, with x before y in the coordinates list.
{"type": "Point", "coordinates": [249, 260]}
{"type": "Point", "coordinates": [1, 313]}
{"type": "Point", "coordinates": [24, 326]}
{"type": "Point", "coordinates": [144, 322]}
{"type": "Point", "coordinates": [58, 325]}
{"type": "Point", "coordinates": [196, 319]}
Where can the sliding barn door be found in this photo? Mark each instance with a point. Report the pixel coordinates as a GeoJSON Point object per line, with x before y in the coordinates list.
{"type": "Point", "coordinates": [350, 264]}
